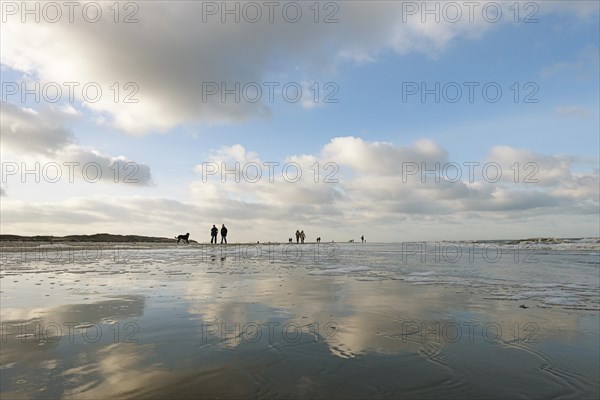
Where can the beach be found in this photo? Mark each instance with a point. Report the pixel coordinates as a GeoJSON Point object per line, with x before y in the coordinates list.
{"type": "Point", "coordinates": [405, 197]}
{"type": "Point", "coordinates": [428, 320]}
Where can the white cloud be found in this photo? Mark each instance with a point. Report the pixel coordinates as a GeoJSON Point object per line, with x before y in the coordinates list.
{"type": "Point", "coordinates": [380, 157]}
{"type": "Point", "coordinates": [371, 186]}
{"type": "Point", "coordinates": [526, 167]}
{"type": "Point", "coordinates": [235, 153]}
{"type": "Point", "coordinates": [168, 66]}
{"type": "Point", "coordinates": [370, 192]}
{"type": "Point", "coordinates": [28, 131]}
{"type": "Point", "coordinates": [42, 137]}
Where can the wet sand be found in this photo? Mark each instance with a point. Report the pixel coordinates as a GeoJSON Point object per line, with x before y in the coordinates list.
{"type": "Point", "coordinates": [166, 321]}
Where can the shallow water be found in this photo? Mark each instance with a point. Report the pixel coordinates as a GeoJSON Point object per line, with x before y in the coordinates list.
{"type": "Point", "coordinates": [419, 320]}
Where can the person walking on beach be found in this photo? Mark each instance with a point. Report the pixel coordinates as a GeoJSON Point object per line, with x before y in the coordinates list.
{"type": "Point", "coordinates": [223, 234]}
{"type": "Point", "coordinates": [362, 238]}
{"type": "Point", "coordinates": [213, 234]}
{"type": "Point", "coordinates": [297, 235]}
{"type": "Point", "coordinates": [302, 237]}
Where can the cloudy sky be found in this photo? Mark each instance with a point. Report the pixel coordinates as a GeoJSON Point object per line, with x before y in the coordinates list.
{"type": "Point", "coordinates": [396, 120]}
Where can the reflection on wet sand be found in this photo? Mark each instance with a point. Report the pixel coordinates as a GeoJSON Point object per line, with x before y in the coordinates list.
{"type": "Point", "coordinates": [183, 329]}
{"type": "Point", "coordinates": [40, 351]}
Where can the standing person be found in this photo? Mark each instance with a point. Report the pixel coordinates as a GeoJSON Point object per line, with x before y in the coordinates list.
{"type": "Point", "coordinates": [223, 234]}
{"type": "Point", "coordinates": [362, 238]}
{"type": "Point", "coordinates": [213, 234]}
{"type": "Point", "coordinates": [302, 236]}
{"type": "Point", "coordinates": [297, 235]}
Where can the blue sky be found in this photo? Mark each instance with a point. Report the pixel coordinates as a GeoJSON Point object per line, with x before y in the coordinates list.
{"type": "Point", "coordinates": [371, 56]}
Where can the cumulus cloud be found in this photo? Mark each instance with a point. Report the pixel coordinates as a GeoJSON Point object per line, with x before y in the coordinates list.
{"type": "Point", "coordinates": [526, 167]}
{"type": "Point", "coordinates": [29, 132]}
{"type": "Point", "coordinates": [367, 187]}
{"type": "Point", "coordinates": [166, 59]}
{"type": "Point", "coordinates": [371, 185]}
{"type": "Point", "coordinates": [380, 157]}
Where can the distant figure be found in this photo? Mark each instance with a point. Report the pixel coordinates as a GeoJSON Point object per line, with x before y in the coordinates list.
{"type": "Point", "coordinates": [319, 239]}
{"type": "Point", "coordinates": [302, 237]}
{"type": "Point", "coordinates": [297, 235]}
{"type": "Point", "coordinates": [362, 238]}
{"type": "Point", "coordinates": [214, 231]}
{"type": "Point", "coordinates": [183, 237]}
{"type": "Point", "coordinates": [223, 234]}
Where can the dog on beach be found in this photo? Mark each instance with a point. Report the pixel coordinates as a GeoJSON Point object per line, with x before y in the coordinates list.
{"type": "Point", "coordinates": [290, 240]}
{"type": "Point", "coordinates": [183, 237]}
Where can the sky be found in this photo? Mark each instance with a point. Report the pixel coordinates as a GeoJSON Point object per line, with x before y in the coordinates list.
{"type": "Point", "coordinates": [396, 120]}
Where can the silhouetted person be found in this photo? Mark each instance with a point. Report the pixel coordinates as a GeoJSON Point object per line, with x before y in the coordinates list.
{"type": "Point", "coordinates": [223, 234]}
{"type": "Point", "coordinates": [362, 238]}
{"type": "Point", "coordinates": [302, 237]}
{"type": "Point", "coordinates": [297, 235]}
{"type": "Point", "coordinates": [213, 234]}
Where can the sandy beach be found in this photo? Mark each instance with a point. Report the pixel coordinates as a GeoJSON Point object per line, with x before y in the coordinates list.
{"type": "Point", "coordinates": [356, 320]}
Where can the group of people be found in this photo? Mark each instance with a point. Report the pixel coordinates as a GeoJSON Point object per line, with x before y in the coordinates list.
{"type": "Point", "coordinates": [214, 231]}
{"type": "Point", "coordinates": [300, 236]}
